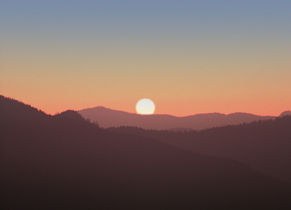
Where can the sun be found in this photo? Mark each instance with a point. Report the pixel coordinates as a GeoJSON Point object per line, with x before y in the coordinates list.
{"type": "Point", "coordinates": [145, 106]}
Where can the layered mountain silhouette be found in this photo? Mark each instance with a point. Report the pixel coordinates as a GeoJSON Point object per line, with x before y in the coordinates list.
{"type": "Point", "coordinates": [286, 113]}
{"type": "Point", "coordinates": [111, 118]}
{"type": "Point", "coordinates": [66, 162]}
{"type": "Point", "coordinates": [264, 145]}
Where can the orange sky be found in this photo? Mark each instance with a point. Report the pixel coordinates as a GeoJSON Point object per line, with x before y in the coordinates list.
{"type": "Point", "coordinates": [188, 58]}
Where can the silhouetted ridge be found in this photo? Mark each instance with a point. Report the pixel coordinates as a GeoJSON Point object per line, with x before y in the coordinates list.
{"type": "Point", "coordinates": [286, 113]}
{"type": "Point", "coordinates": [264, 145]}
{"type": "Point", "coordinates": [70, 114]}
{"type": "Point", "coordinates": [64, 163]}
{"type": "Point", "coordinates": [113, 118]}
{"type": "Point", "coordinates": [11, 109]}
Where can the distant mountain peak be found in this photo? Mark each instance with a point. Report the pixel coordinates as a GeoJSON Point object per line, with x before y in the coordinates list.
{"type": "Point", "coordinates": [285, 113]}
{"type": "Point", "coordinates": [114, 118]}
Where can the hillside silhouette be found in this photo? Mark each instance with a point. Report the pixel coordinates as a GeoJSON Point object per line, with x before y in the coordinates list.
{"type": "Point", "coordinates": [63, 162]}
{"type": "Point", "coordinates": [285, 113]}
{"type": "Point", "coordinates": [13, 110]}
{"type": "Point", "coordinates": [264, 145]}
{"type": "Point", "coordinates": [112, 118]}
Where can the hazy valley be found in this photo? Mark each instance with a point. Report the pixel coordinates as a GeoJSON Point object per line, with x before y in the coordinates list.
{"type": "Point", "coordinates": [112, 118]}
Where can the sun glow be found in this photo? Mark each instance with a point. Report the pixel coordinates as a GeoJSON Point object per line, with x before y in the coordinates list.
{"type": "Point", "coordinates": [145, 106]}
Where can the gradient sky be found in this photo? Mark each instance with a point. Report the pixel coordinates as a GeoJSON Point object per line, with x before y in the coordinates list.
{"type": "Point", "coordinates": [189, 57]}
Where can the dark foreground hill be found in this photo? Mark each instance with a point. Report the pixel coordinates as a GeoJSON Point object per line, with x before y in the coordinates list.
{"type": "Point", "coordinates": [112, 118]}
{"type": "Point", "coordinates": [264, 145]}
{"type": "Point", "coordinates": [56, 162]}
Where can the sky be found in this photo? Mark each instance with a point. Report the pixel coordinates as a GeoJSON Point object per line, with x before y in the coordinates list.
{"type": "Point", "coordinates": [188, 56]}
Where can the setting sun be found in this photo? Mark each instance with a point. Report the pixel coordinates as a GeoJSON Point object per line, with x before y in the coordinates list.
{"type": "Point", "coordinates": [145, 106]}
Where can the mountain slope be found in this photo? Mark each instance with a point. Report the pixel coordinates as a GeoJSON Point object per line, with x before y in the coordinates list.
{"type": "Point", "coordinates": [285, 113]}
{"type": "Point", "coordinates": [12, 110]}
{"type": "Point", "coordinates": [57, 163]}
{"type": "Point", "coordinates": [112, 118]}
{"type": "Point", "coordinates": [264, 145]}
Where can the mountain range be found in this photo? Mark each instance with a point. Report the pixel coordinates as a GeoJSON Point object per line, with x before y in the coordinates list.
{"type": "Point", "coordinates": [67, 162]}
{"type": "Point", "coordinates": [112, 118]}
{"type": "Point", "coordinates": [263, 145]}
